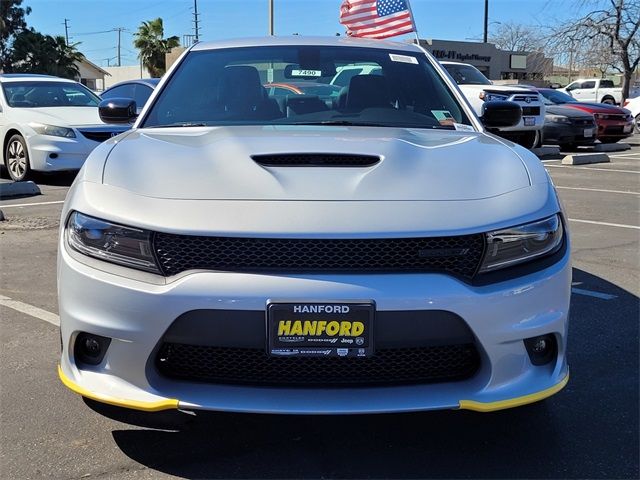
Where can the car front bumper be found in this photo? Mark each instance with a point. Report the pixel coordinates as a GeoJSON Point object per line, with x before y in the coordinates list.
{"type": "Point", "coordinates": [52, 154]}
{"type": "Point", "coordinates": [568, 133]}
{"type": "Point", "coordinates": [135, 314]}
{"type": "Point", "coordinates": [614, 128]}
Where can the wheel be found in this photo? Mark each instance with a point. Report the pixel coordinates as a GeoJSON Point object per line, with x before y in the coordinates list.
{"type": "Point", "coordinates": [16, 159]}
{"type": "Point", "coordinates": [609, 100]}
{"type": "Point", "coordinates": [637, 122]}
{"type": "Point", "coordinates": [529, 139]}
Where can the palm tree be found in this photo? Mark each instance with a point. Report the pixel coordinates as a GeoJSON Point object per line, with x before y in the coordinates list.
{"type": "Point", "coordinates": [153, 46]}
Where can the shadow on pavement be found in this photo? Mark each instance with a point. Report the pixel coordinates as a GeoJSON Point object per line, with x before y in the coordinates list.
{"type": "Point", "coordinates": [589, 430]}
{"type": "Point", "coordinates": [61, 179]}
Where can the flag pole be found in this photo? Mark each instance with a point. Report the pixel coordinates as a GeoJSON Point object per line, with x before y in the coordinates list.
{"type": "Point", "coordinates": [413, 21]}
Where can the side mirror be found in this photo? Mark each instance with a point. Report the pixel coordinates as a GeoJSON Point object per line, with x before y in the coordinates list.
{"type": "Point", "coordinates": [117, 110]}
{"type": "Point", "coordinates": [499, 114]}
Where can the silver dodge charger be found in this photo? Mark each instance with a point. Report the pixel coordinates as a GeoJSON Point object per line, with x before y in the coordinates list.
{"type": "Point", "coordinates": [376, 251]}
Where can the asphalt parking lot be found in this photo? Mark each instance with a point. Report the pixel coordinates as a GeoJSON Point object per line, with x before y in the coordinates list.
{"type": "Point", "coordinates": [588, 430]}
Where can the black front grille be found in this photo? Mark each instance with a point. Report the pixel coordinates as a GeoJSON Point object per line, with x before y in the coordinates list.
{"type": "Point", "coordinates": [530, 110]}
{"type": "Point", "coordinates": [584, 122]}
{"type": "Point", "coordinates": [457, 255]}
{"type": "Point", "coordinates": [315, 160]}
{"type": "Point", "coordinates": [252, 366]}
{"type": "Point", "coordinates": [98, 136]}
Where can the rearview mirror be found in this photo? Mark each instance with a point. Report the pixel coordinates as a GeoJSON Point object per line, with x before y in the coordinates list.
{"type": "Point", "coordinates": [500, 114]}
{"type": "Point", "coordinates": [117, 110]}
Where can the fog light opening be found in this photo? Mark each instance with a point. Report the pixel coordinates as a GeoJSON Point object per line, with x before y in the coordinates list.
{"type": "Point", "coordinates": [90, 349]}
{"type": "Point", "coordinates": [53, 155]}
{"type": "Point", "coordinates": [542, 349]}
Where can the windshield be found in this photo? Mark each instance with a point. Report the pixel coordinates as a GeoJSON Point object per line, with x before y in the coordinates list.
{"type": "Point", "coordinates": [466, 74]}
{"type": "Point", "coordinates": [292, 85]}
{"type": "Point", "coordinates": [554, 97]}
{"type": "Point", "coordinates": [48, 94]}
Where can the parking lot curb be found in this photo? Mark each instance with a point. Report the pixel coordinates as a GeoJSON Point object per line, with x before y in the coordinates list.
{"type": "Point", "coordinates": [611, 147]}
{"type": "Point", "coordinates": [585, 158]}
{"type": "Point", "coordinates": [1, 216]}
{"type": "Point", "coordinates": [18, 189]}
{"type": "Point", "coordinates": [546, 151]}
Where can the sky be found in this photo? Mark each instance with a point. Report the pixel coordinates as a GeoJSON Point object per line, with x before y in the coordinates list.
{"type": "Point", "coordinates": [91, 21]}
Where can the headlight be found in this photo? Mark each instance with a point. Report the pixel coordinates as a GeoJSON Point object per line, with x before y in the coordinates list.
{"type": "Point", "coordinates": [53, 130]}
{"type": "Point", "coordinates": [523, 243]}
{"type": "Point", "coordinates": [113, 243]}
{"type": "Point", "coordinates": [558, 119]}
{"type": "Point", "coordinates": [491, 97]}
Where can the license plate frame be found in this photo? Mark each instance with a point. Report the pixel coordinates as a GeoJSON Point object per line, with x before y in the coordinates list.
{"type": "Point", "coordinates": [313, 340]}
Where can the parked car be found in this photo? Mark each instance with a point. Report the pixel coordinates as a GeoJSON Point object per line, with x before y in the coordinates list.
{"type": "Point", "coordinates": [140, 90]}
{"type": "Point", "coordinates": [479, 90]}
{"type": "Point", "coordinates": [324, 91]}
{"type": "Point", "coordinates": [614, 123]}
{"type": "Point", "coordinates": [633, 105]}
{"type": "Point", "coordinates": [385, 254]}
{"type": "Point", "coordinates": [594, 90]}
{"type": "Point", "coordinates": [48, 124]}
{"type": "Point", "coordinates": [568, 127]}
{"type": "Point", "coordinates": [345, 73]}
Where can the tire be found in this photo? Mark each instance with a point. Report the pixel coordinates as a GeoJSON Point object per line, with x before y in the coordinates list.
{"type": "Point", "coordinates": [637, 122]}
{"type": "Point", "coordinates": [16, 159]}
{"type": "Point", "coordinates": [609, 100]}
{"type": "Point", "coordinates": [529, 139]}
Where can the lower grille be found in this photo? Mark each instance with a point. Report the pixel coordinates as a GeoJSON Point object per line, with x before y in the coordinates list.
{"type": "Point", "coordinates": [98, 136]}
{"type": "Point", "coordinates": [252, 366]}
{"type": "Point", "coordinates": [458, 255]}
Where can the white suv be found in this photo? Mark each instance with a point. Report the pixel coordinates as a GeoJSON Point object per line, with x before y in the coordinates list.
{"type": "Point", "coordinates": [479, 90]}
{"type": "Point", "coordinates": [48, 124]}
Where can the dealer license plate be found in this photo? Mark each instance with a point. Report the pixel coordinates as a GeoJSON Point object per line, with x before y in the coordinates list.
{"type": "Point", "coordinates": [529, 121]}
{"type": "Point", "coordinates": [314, 329]}
{"type": "Point", "coordinates": [588, 132]}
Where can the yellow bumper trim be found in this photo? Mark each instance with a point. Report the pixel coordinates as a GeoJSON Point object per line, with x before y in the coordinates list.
{"type": "Point", "coordinates": [167, 404]}
{"type": "Point", "coordinates": [513, 402]}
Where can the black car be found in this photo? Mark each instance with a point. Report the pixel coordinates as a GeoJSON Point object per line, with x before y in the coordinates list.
{"type": "Point", "coordinates": [568, 127]}
{"type": "Point", "coordinates": [138, 90]}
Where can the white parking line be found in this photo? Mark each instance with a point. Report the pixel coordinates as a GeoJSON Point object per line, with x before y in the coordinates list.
{"type": "Point", "coordinates": [606, 224]}
{"type": "Point", "coordinates": [598, 190]}
{"type": "Point", "coordinates": [596, 169]}
{"type": "Point", "coordinates": [621, 155]}
{"type": "Point", "coordinates": [590, 293]}
{"type": "Point", "coordinates": [36, 312]}
{"type": "Point", "coordinates": [31, 204]}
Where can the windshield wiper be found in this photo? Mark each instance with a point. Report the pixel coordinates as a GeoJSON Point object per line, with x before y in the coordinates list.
{"type": "Point", "coordinates": [181, 124]}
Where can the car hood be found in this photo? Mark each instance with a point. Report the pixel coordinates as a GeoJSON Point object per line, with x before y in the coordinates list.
{"type": "Point", "coordinates": [567, 111]}
{"type": "Point", "coordinates": [595, 108]}
{"type": "Point", "coordinates": [504, 89]}
{"type": "Point", "coordinates": [215, 163]}
{"type": "Point", "coordinates": [60, 116]}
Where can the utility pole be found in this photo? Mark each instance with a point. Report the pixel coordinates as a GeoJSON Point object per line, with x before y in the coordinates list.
{"type": "Point", "coordinates": [486, 20]}
{"type": "Point", "coordinates": [196, 20]}
{"type": "Point", "coordinates": [66, 30]}
{"type": "Point", "coordinates": [271, 17]}
{"type": "Point", "coordinates": [119, 30]}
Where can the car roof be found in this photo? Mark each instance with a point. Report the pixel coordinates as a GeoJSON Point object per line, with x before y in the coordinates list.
{"type": "Point", "coordinates": [303, 40]}
{"type": "Point", "coordinates": [150, 82]}
{"type": "Point", "coordinates": [17, 77]}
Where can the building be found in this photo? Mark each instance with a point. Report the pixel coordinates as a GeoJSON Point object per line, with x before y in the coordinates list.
{"type": "Point", "coordinates": [91, 75]}
{"type": "Point", "coordinates": [126, 72]}
{"type": "Point", "coordinates": [496, 64]}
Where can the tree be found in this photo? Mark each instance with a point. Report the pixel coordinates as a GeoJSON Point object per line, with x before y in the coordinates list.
{"type": "Point", "coordinates": [516, 37]}
{"type": "Point", "coordinates": [615, 24]}
{"type": "Point", "coordinates": [12, 22]}
{"type": "Point", "coordinates": [153, 46]}
{"type": "Point", "coordinates": [34, 52]}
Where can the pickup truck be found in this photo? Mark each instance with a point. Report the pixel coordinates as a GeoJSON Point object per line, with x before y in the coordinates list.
{"type": "Point", "coordinates": [479, 91]}
{"type": "Point", "coordinates": [594, 90]}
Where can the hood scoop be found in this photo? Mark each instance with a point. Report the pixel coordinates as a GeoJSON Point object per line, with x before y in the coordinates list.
{"type": "Point", "coordinates": [316, 160]}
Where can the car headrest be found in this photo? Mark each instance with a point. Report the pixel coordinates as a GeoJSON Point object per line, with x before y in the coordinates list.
{"type": "Point", "coordinates": [301, 104]}
{"type": "Point", "coordinates": [368, 91]}
{"type": "Point", "coordinates": [240, 87]}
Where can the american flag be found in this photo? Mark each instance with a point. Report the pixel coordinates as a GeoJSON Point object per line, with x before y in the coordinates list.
{"type": "Point", "coordinates": [376, 18]}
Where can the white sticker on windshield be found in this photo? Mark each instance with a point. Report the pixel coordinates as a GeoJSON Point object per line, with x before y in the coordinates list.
{"type": "Point", "coordinates": [403, 58]}
{"type": "Point", "coordinates": [463, 128]}
{"type": "Point", "coordinates": [306, 73]}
